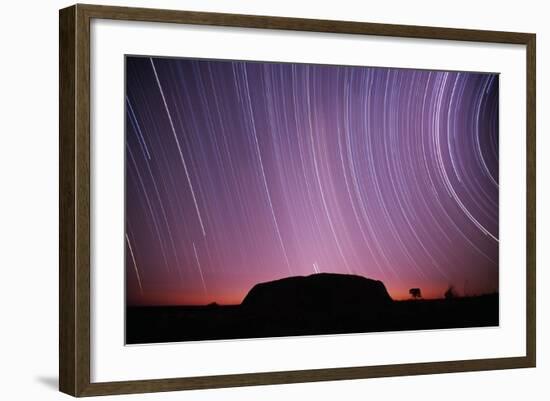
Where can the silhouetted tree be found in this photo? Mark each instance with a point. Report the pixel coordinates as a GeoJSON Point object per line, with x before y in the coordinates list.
{"type": "Point", "coordinates": [415, 293]}
{"type": "Point", "coordinates": [450, 293]}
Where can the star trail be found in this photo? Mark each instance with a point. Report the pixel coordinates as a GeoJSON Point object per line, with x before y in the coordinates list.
{"type": "Point", "coordinates": [244, 172]}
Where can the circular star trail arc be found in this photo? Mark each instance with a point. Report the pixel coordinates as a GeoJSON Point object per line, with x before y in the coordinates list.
{"type": "Point", "coordinates": [243, 172]}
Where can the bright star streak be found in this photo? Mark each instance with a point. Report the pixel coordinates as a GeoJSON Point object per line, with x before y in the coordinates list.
{"type": "Point", "coordinates": [179, 147]}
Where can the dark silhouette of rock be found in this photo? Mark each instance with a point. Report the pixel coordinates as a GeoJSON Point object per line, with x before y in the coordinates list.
{"type": "Point", "coordinates": [313, 305]}
{"type": "Point", "coordinates": [151, 324]}
{"type": "Point", "coordinates": [324, 293]}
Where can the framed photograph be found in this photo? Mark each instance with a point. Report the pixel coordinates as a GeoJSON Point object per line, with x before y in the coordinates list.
{"type": "Point", "coordinates": [251, 200]}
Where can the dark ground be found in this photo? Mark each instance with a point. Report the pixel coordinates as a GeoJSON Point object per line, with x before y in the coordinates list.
{"type": "Point", "coordinates": [154, 324]}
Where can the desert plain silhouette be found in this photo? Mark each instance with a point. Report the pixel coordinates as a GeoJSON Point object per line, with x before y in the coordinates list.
{"type": "Point", "coordinates": [324, 303]}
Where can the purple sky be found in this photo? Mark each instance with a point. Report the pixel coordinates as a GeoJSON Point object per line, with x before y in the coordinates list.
{"type": "Point", "coordinates": [244, 172]}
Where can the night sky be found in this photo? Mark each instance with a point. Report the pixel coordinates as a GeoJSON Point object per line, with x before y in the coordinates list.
{"type": "Point", "coordinates": [245, 172]}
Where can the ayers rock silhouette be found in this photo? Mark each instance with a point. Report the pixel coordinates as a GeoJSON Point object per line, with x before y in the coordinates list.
{"type": "Point", "coordinates": [326, 293]}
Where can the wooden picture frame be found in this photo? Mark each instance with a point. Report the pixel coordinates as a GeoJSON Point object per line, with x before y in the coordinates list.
{"type": "Point", "coordinates": [74, 199]}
